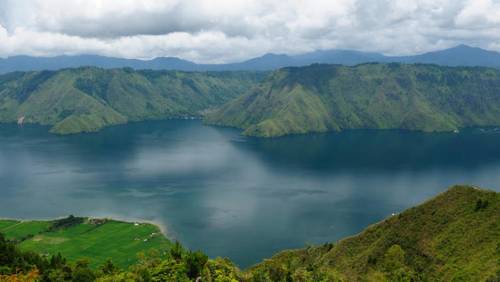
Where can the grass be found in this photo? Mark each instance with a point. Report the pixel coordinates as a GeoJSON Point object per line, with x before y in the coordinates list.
{"type": "Point", "coordinates": [116, 240]}
{"type": "Point", "coordinates": [19, 230]}
{"type": "Point", "coordinates": [6, 223]}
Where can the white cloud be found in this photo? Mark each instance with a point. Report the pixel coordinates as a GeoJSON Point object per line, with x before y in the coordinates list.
{"type": "Point", "coordinates": [479, 14]}
{"type": "Point", "coordinates": [232, 30]}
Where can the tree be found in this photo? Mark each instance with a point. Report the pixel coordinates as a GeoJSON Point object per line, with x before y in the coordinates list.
{"type": "Point", "coordinates": [108, 267]}
{"type": "Point", "coordinates": [82, 273]}
{"type": "Point", "coordinates": [394, 265]}
{"type": "Point", "coordinates": [394, 258]}
{"type": "Point", "coordinates": [176, 251]}
{"type": "Point", "coordinates": [195, 261]}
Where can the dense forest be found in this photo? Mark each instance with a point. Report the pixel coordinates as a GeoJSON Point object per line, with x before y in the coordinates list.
{"type": "Point", "coordinates": [321, 98]}
{"type": "Point", "coordinates": [452, 237]}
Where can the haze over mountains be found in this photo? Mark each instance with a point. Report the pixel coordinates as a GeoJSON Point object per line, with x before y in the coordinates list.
{"type": "Point", "coordinates": [461, 55]}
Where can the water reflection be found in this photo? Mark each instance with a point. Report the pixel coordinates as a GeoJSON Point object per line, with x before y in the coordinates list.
{"type": "Point", "coordinates": [233, 196]}
{"type": "Point", "coordinates": [380, 150]}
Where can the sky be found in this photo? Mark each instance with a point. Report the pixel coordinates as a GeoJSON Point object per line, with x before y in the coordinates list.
{"type": "Point", "coordinates": [220, 31]}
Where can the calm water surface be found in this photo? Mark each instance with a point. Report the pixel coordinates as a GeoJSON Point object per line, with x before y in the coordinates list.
{"type": "Point", "coordinates": [228, 195]}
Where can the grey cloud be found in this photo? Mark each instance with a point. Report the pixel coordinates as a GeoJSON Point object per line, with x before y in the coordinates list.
{"type": "Point", "coordinates": [232, 30]}
{"type": "Point", "coordinates": [112, 21]}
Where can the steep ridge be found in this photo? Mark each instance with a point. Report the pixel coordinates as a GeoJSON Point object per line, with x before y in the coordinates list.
{"type": "Point", "coordinates": [452, 237]}
{"type": "Point", "coordinates": [87, 99]}
{"type": "Point", "coordinates": [320, 98]}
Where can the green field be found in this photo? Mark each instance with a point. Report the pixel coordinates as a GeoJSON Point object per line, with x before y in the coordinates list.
{"type": "Point", "coordinates": [96, 241]}
{"type": "Point", "coordinates": [20, 230]}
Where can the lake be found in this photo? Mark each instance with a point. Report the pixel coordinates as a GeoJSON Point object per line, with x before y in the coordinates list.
{"type": "Point", "coordinates": [233, 196]}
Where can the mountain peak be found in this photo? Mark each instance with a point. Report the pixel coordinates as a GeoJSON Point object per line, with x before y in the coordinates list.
{"type": "Point", "coordinates": [468, 48]}
{"type": "Point", "coordinates": [460, 55]}
{"type": "Point", "coordinates": [272, 56]}
{"type": "Point", "coordinates": [464, 46]}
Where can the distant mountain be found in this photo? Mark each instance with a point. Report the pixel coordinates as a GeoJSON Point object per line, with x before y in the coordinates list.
{"type": "Point", "coordinates": [87, 99]}
{"type": "Point", "coordinates": [461, 55]}
{"type": "Point", "coordinates": [458, 56]}
{"type": "Point", "coordinates": [321, 98]}
{"type": "Point", "coordinates": [27, 63]}
{"type": "Point", "coordinates": [342, 57]}
{"type": "Point", "coordinates": [275, 61]}
{"type": "Point", "coordinates": [263, 63]}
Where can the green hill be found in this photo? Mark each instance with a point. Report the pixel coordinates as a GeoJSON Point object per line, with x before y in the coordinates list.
{"type": "Point", "coordinates": [321, 98]}
{"type": "Point", "coordinates": [316, 98]}
{"type": "Point", "coordinates": [452, 237]}
{"type": "Point", "coordinates": [87, 99]}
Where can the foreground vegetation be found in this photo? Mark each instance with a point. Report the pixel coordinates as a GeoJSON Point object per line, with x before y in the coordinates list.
{"type": "Point", "coordinates": [322, 98]}
{"type": "Point", "coordinates": [78, 238]}
{"type": "Point", "coordinates": [88, 99]}
{"type": "Point", "coordinates": [453, 237]}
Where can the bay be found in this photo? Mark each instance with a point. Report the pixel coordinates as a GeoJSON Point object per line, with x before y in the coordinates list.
{"type": "Point", "coordinates": [232, 196]}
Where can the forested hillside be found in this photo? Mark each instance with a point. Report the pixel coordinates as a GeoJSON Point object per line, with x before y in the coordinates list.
{"type": "Point", "coordinates": [88, 99]}
{"type": "Point", "coordinates": [321, 98]}
{"type": "Point", "coordinates": [453, 237]}
{"type": "Point", "coordinates": [316, 98]}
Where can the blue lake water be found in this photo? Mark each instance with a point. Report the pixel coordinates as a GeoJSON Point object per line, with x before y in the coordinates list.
{"type": "Point", "coordinates": [233, 196]}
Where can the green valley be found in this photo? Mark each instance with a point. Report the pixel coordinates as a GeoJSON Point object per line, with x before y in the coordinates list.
{"type": "Point", "coordinates": [321, 98]}
{"type": "Point", "coordinates": [88, 99]}
{"type": "Point", "coordinates": [452, 237]}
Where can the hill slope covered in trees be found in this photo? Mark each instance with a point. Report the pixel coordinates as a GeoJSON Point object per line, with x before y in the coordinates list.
{"type": "Point", "coordinates": [321, 98]}
{"type": "Point", "coordinates": [88, 99]}
{"type": "Point", "coordinates": [452, 237]}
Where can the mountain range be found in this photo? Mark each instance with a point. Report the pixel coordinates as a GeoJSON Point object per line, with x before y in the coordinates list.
{"type": "Point", "coordinates": [290, 100]}
{"type": "Point", "coordinates": [86, 99]}
{"type": "Point", "coordinates": [321, 98]}
{"type": "Point", "coordinates": [461, 55]}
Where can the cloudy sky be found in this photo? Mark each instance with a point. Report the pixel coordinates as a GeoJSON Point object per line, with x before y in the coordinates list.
{"type": "Point", "coordinates": [232, 30]}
